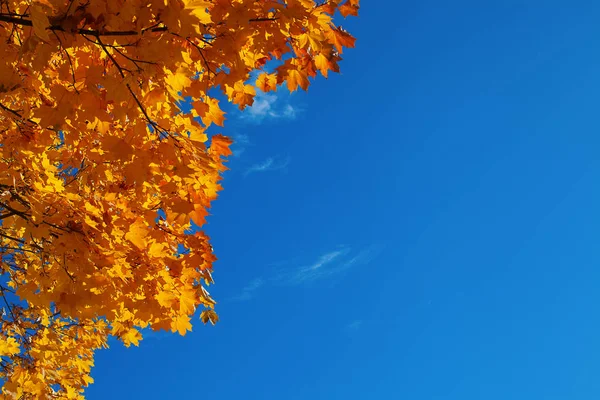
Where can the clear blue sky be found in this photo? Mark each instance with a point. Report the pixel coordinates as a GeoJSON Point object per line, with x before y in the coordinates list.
{"type": "Point", "coordinates": [423, 226]}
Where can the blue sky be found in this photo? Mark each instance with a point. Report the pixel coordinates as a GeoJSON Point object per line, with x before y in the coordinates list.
{"type": "Point", "coordinates": [422, 226]}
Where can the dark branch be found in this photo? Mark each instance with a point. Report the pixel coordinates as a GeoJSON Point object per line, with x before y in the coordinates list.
{"type": "Point", "coordinates": [19, 20]}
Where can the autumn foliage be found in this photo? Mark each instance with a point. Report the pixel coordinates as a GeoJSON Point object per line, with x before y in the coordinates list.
{"type": "Point", "coordinates": [102, 175]}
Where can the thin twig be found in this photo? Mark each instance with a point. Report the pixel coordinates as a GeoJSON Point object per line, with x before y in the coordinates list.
{"type": "Point", "coordinates": [68, 58]}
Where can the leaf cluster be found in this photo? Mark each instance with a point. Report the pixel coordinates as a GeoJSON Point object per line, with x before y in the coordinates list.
{"type": "Point", "coordinates": [102, 174]}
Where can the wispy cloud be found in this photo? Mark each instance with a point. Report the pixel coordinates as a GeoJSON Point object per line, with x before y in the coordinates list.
{"type": "Point", "coordinates": [331, 263]}
{"type": "Point", "coordinates": [289, 111]}
{"type": "Point", "coordinates": [270, 164]}
{"type": "Point", "coordinates": [269, 105]}
{"type": "Point", "coordinates": [240, 142]}
{"type": "Point", "coordinates": [354, 325]}
{"type": "Point", "coordinates": [250, 289]}
{"type": "Point", "coordinates": [326, 265]}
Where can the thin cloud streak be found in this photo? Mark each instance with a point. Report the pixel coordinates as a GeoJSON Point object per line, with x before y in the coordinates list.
{"type": "Point", "coordinates": [240, 142]}
{"type": "Point", "coordinates": [326, 265]}
{"type": "Point", "coordinates": [270, 164]}
{"type": "Point", "coordinates": [331, 263]}
{"type": "Point", "coordinates": [250, 289]}
{"type": "Point", "coordinates": [318, 269]}
{"type": "Point", "coordinates": [354, 325]}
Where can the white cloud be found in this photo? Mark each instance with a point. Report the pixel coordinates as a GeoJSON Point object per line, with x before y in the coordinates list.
{"type": "Point", "coordinates": [269, 105]}
{"type": "Point", "coordinates": [289, 111]}
{"type": "Point", "coordinates": [354, 325]}
{"type": "Point", "coordinates": [325, 259]}
{"type": "Point", "coordinates": [263, 106]}
{"type": "Point", "coordinates": [365, 256]}
{"type": "Point", "coordinates": [249, 290]}
{"type": "Point", "coordinates": [270, 164]}
{"type": "Point", "coordinates": [329, 264]}
{"type": "Point", "coordinates": [240, 142]}
{"type": "Point", "coordinates": [326, 265]}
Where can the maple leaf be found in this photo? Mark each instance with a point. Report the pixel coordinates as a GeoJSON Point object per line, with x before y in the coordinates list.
{"type": "Point", "coordinates": [137, 233]}
{"type": "Point", "coordinates": [176, 82]}
{"type": "Point", "coordinates": [241, 94]}
{"type": "Point", "coordinates": [156, 250]}
{"type": "Point", "coordinates": [267, 82]}
{"type": "Point", "coordinates": [322, 64]}
{"type": "Point", "coordinates": [297, 78]}
{"type": "Point", "coordinates": [340, 38]}
{"type": "Point", "coordinates": [131, 336]}
{"type": "Point", "coordinates": [350, 7]}
{"type": "Point", "coordinates": [220, 145]}
{"type": "Point", "coordinates": [187, 301]}
{"type": "Point", "coordinates": [40, 22]}
{"type": "Point", "coordinates": [165, 299]}
{"type": "Point", "coordinates": [181, 324]}
{"type": "Point", "coordinates": [209, 315]}
{"type": "Point", "coordinates": [9, 346]}
{"type": "Point", "coordinates": [209, 111]}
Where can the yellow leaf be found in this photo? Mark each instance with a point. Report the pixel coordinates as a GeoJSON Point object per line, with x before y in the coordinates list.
{"type": "Point", "coordinates": [95, 211]}
{"type": "Point", "coordinates": [198, 135]}
{"type": "Point", "coordinates": [176, 82]}
{"type": "Point", "coordinates": [165, 299]}
{"type": "Point", "coordinates": [187, 301]}
{"type": "Point", "coordinates": [132, 336]}
{"type": "Point", "coordinates": [198, 8]}
{"type": "Point", "coordinates": [137, 233]}
{"type": "Point", "coordinates": [9, 346]}
{"type": "Point", "coordinates": [156, 250]}
{"type": "Point", "coordinates": [72, 392]}
{"type": "Point", "coordinates": [181, 324]}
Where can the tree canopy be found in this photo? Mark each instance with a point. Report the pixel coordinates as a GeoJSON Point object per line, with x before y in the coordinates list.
{"type": "Point", "coordinates": [105, 180]}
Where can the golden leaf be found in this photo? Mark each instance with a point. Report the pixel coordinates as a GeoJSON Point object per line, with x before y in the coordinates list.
{"type": "Point", "coordinates": [9, 346]}
{"type": "Point", "coordinates": [131, 336]}
{"type": "Point", "coordinates": [181, 324]}
{"type": "Point", "coordinates": [267, 82]}
{"type": "Point", "coordinates": [137, 233]}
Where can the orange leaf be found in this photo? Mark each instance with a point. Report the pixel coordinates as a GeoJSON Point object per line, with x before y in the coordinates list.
{"type": "Point", "coordinates": [350, 7]}
{"type": "Point", "coordinates": [297, 78]}
{"type": "Point", "coordinates": [40, 22]}
{"type": "Point", "coordinates": [267, 82]}
{"type": "Point", "coordinates": [340, 39]}
{"type": "Point", "coordinates": [220, 145]}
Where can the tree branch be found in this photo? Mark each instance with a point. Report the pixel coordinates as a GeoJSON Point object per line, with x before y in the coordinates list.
{"type": "Point", "coordinates": [20, 20]}
{"type": "Point", "coordinates": [153, 123]}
